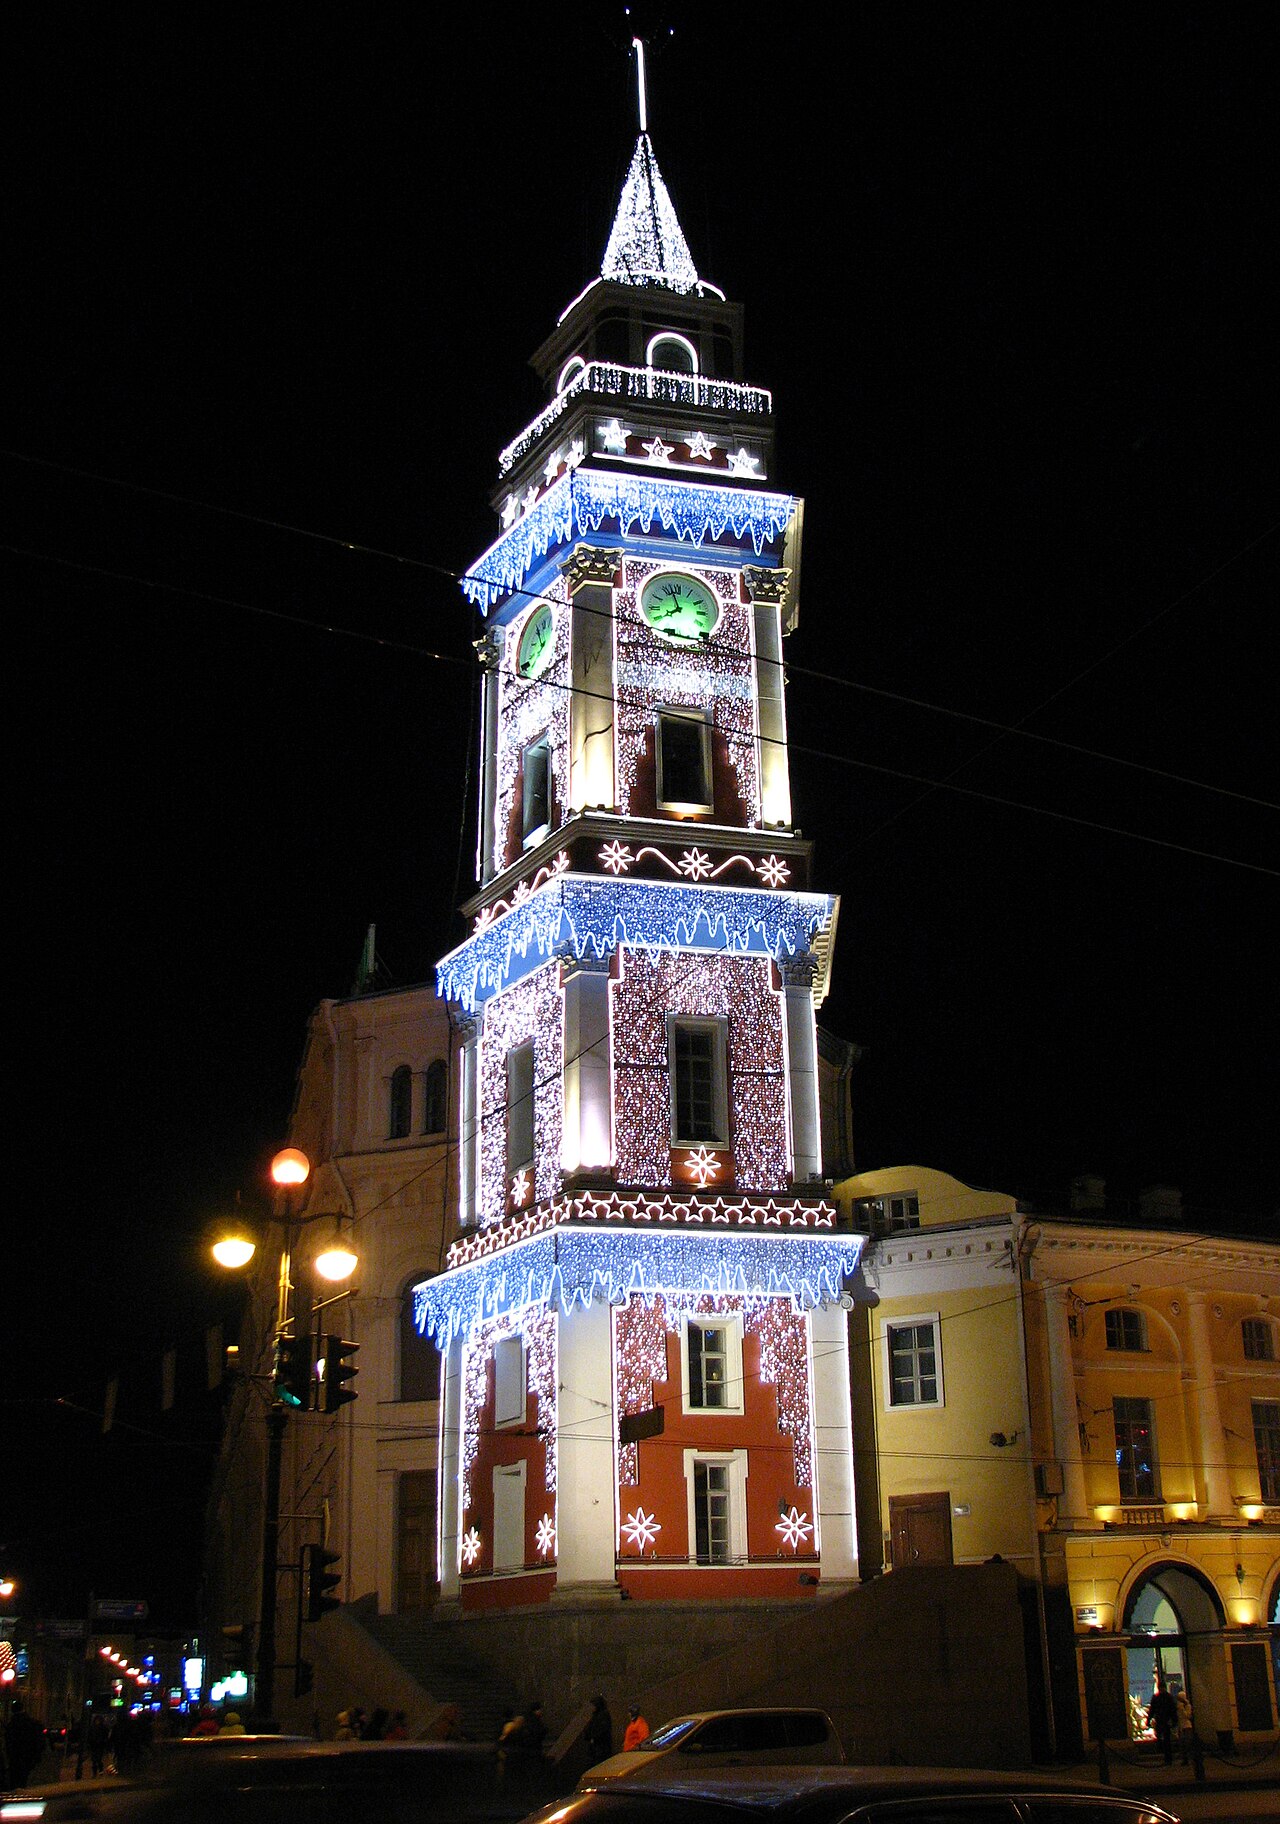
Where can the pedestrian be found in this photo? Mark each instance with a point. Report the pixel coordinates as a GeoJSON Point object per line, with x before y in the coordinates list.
{"type": "Point", "coordinates": [24, 1741]}
{"type": "Point", "coordinates": [398, 1728]}
{"type": "Point", "coordinates": [344, 1730]}
{"type": "Point", "coordinates": [1186, 1723]}
{"type": "Point", "coordinates": [375, 1730]}
{"type": "Point", "coordinates": [99, 1736]}
{"type": "Point", "coordinates": [521, 1745]}
{"type": "Point", "coordinates": [1162, 1716]}
{"type": "Point", "coordinates": [636, 1731]}
{"type": "Point", "coordinates": [359, 1722]}
{"type": "Point", "coordinates": [231, 1724]}
{"type": "Point", "coordinates": [598, 1735]}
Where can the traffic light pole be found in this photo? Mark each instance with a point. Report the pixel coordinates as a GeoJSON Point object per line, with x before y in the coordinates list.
{"type": "Point", "coordinates": [265, 1697]}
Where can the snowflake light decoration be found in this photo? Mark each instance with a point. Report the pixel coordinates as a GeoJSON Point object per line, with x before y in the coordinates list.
{"type": "Point", "coordinates": [470, 1547]}
{"type": "Point", "coordinates": [794, 1527]}
{"type": "Point", "coordinates": [640, 1529]}
{"type": "Point", "coordinates": [616, 856]}
{"type": "Point", "coordinates": [772, 871]}
{"type": "Point", "coordinates": [695, 864]}
{"type": "Point", "coordinates": [546, 1535]}
{"type": "Point", "coordinates": [520, 1188]}
{"type": "Point", "coordinates": [704, 1166]}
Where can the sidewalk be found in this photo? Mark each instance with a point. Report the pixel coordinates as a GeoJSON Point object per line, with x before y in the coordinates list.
{"type": "Point", "coordinates": [1134, 1767]}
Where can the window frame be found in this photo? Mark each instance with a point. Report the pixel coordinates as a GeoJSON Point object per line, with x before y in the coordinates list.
{"type": "Point", "coordinates": [731, 1323]}
{"type": "Point", "coordinates": [532, 833]}
{"type": "Point", "coordinates": [518, 1098]}
{"type": "Point", "coordinates": [1261, 1331]}
{"type": "Point", "coordinates": [516, 1477]}
{"type": "Point", "coordinates": [735, 1462]}
{"type": "Point", "coordinates": [718, 1029]}
{"type": "Point", "coordinates": [400, 1103]}
{"type": "Point", "coordinates": [510, 1373]}
{"type": "Point", "coordinates": [912, 1321]}
{"type": "Point", "coordinates": [1135, 1495]}
{"type": "Point", "coordinates": [1117, 1335]}
{"type": "Point", "coordinates": [1268, 1456]}
{"type": "Point", "coordinates": [436, 1073]}
{"type": "Point", "coordinates": [689, 717]}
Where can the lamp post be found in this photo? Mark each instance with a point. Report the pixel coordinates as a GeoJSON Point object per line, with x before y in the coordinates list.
{"type": "Point", "coordinates": [290, 1170]}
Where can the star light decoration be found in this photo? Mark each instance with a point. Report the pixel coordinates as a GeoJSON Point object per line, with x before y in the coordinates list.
{"type": "Point", "coordinates": [701, 446]}
{"type": "Point", "coordinates": [794, 1527]}
{"type": "Point", "coordinates": [615, 438]}
{"type": "Point", "coordinates": [704, 1167]}
{"type": "Point", "coordinates": [741, 462]}
{"type": "Point", "coordinates": [658, 451]}
{"type": "Point", "coordinates": [470, 1547]}
{"type": "Point", "coordinates": [546, 1535]}
{"type": "Point", "coordinates": [640, 1529]}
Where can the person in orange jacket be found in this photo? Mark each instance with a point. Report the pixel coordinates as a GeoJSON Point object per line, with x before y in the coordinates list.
{"type": "Point", "coordinates": [637, 1730]}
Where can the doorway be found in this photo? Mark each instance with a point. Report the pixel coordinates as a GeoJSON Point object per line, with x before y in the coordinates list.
{"type": "Point", "coordinates": [1174, 1623]}
{"type": "Point", "coordinates": [920, 1529]}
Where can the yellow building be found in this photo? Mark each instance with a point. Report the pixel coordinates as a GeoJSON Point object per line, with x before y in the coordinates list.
{"type": "Point", "coordinates": [1097, 1402]}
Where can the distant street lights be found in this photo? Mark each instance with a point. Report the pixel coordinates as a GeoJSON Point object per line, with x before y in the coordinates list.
{"type": "Point", "coordinates": [299, 1366]}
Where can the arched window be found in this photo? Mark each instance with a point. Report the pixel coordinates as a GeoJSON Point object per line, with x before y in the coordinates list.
{"type": "Point", "coordinates": [401, 1102]}
{"type": "Point", "coordinates": [419, 1357]}
{"type": "Point", "coordinates": [673, 353]}
{"type": "Point", "coordinates": [436, 1104]}
{"type": "Point", "coordinates": [570, 371]}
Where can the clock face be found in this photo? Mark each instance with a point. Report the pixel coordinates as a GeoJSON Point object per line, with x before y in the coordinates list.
{"type": "Point", "coordinates": [679, 608]}
{"type": "Point", "coordinates": [537, 642]}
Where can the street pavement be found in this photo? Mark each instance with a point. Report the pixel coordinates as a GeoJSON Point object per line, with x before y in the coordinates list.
{"type": "Point", "coordinates": [1244, 1786]}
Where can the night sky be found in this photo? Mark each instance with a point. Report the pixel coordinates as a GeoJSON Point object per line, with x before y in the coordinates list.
{"type": "Point", "coordinates": [1008, 272]}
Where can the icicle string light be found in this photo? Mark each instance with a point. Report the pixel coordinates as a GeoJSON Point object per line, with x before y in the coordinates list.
{"type": "Point", "coordinates": [571, 1267]}
{"type": "Point", "coordinates": [573, 915]}
{"type": "Point", "coordinates": [583, 500]}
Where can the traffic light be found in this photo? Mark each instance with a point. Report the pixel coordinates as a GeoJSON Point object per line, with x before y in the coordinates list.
{"type": "Point", "coordinates": [333, 1371]}
{"type": "Point", "coordinates": [294, 1372]}
{"type": "Point", "coordinates": [321, 1581]}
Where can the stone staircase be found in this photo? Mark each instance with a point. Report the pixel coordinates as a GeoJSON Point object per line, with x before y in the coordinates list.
{"type": "Point", "coordinates": [434, 1656]}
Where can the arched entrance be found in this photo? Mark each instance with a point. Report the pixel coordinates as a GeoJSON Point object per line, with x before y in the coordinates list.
{"type": "Point", "coordinates": [1174, 1622]}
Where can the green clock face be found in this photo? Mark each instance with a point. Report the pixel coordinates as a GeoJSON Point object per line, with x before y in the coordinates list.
{"type": "Point", "coordinates": [537, 642]}
{"type": "Point", "coordinates": [679, 608]}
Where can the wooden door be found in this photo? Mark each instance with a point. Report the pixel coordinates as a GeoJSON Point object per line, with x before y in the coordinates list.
{"type": "Point", "coordinates": [416, 1584]}
{"type": "Point", "coordinates": [920, 1529]}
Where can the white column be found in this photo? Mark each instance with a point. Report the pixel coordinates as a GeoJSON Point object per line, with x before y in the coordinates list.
{"type": "Point", "coordinates": [1213, 1443]}
{"type": "Point", "coordinates": [468, 1127]}
{"type": "Point", "coordinates": [590, 573]}
{"type": "Point", "coordinates": [450, 1463]}
{"type": "Point", "coordinates": [585, 1517]}
{"type": "Point", "coordinates": [802, 1068]}
{"type": "Point", "coordinates": [1066, 1417]}
{"type": "Point", "coordinates": [587, 1143]}
{"type": "Point", "coordinates": [833, 1443]}
{"type": "Point", "coordinates": [489, 653]}
{"type": "Point", "coordinates": [767, 590]}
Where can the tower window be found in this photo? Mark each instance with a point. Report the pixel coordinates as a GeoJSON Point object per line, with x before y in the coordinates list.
{"type": "Point", "coordinates": [684, 761]}
{"type": "Point", "coordinates": [1126, 1329]}
{"type": "Point", "coordinates": [1266, 1439]}
{"type": "Point", "coordinates": [672, 352]}
{"type": "Point", "coordinates": [400, 1112]}
{"type": "Point", "coordinates": [519, 1108]}
{"type": "Point", "coordinates": [699, 1104]}
{"type": "Point", "coordinates": [1135, 1450]}
{"type": "Point", "coordinates": [436, 1100]}
{"type": "Point", "coordinates": [535, 765]}
{"type": "Point", "coordinates": [1259, 1339]}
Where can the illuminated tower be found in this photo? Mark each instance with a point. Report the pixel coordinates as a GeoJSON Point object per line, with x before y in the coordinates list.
{"type": "Point", "coordinates": [646, 1380]}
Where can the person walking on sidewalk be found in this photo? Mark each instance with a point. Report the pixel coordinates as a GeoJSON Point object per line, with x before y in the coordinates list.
{"type": "Point", "coordinates": [1162, 1717]}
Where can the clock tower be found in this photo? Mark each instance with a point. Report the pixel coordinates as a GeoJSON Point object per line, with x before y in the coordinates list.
{"type": "Point", "coordinates": [646, 1387]}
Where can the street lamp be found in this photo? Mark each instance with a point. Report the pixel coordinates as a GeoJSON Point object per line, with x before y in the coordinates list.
{"type": "Point", "coordinates": [290, 1170]}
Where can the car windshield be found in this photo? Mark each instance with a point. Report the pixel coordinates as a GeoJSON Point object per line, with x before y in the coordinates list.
{"type": "Point", "coordinates": [669, 1734]}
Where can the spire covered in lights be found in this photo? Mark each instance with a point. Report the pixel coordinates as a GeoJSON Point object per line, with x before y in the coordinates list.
{"type": "Point", "coordinates": [646, 243]}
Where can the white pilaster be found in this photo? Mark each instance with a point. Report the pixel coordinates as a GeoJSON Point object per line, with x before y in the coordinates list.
{"type": "Point", "coordinates": [802, 1069]}
{"type": "Point", "coordinates": [585, 1518]}
{"type": "Point", "coordinates": [450, 1460]}
{"type": "Point", "coordinates": [767, 589]}
{"type": "Point", "coordinates": [590, 573]}
{"type": "Point", "coordinates": [833, 1443]}
{"type": "Point", "coordinates": [587, 1143]}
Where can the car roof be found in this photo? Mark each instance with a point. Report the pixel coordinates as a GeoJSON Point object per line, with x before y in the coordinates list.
{"type": "Point", "coordinates": [770, 1787]}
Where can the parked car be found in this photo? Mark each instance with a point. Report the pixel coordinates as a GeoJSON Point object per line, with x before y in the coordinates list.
{"type": "Point", "coordinates": [849, 1795]}
{"type": "Point", "coordinates": [726, 1738]}
{"type": "Point", "coordinates": [321, 1782]}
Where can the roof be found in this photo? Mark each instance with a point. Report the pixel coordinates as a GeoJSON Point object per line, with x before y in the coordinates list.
{"type": "Point", "coordinates": [646, 243]}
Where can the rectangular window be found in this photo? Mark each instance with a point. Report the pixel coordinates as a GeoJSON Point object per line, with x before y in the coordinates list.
{"type": "Point", "coordinates": [1135, 1450]}
{"type": "Point", "coordinates": [508, 1517]}
{"type": "Point", "coordinates": [1259, 1339]}
{"type": "Point", "coordinates": [914, 1379]}
{"type": "Point", "coordinates": [519, 1108]}
{"type": "Point", "coordinates": [1266, 1438]}
{"type": "Point", "coordinates": [708, 1365]}
{"type": "Point", "coordinates": [535, 767]}
{"type": "Point", "coordinates": [699, 1105]}
{"type": "Point", "coordinates": [712, 1541]}
{"type": "Point", "coordinates": [684, 761]}
{"type": "Point", "coordinates": [1125, 1329]}
{"type": "Point", "coordinates": [508, 1381]}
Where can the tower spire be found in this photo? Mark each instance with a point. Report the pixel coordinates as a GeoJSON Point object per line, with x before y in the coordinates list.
{"type": "Point", "coordinates": [646, 243]}
{"type": "Point", "coordinates": [638, 46]}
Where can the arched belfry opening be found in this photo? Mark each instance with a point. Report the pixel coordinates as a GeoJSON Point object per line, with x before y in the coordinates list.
{"type": "Point", "coordinates": [1174, 1620]}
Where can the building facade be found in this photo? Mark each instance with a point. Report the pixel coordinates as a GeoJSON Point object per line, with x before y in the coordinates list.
{"type": "Point", "coordinates": [646, 1390]}
{"type": "Point", "coordinates": [1097, 1402]}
